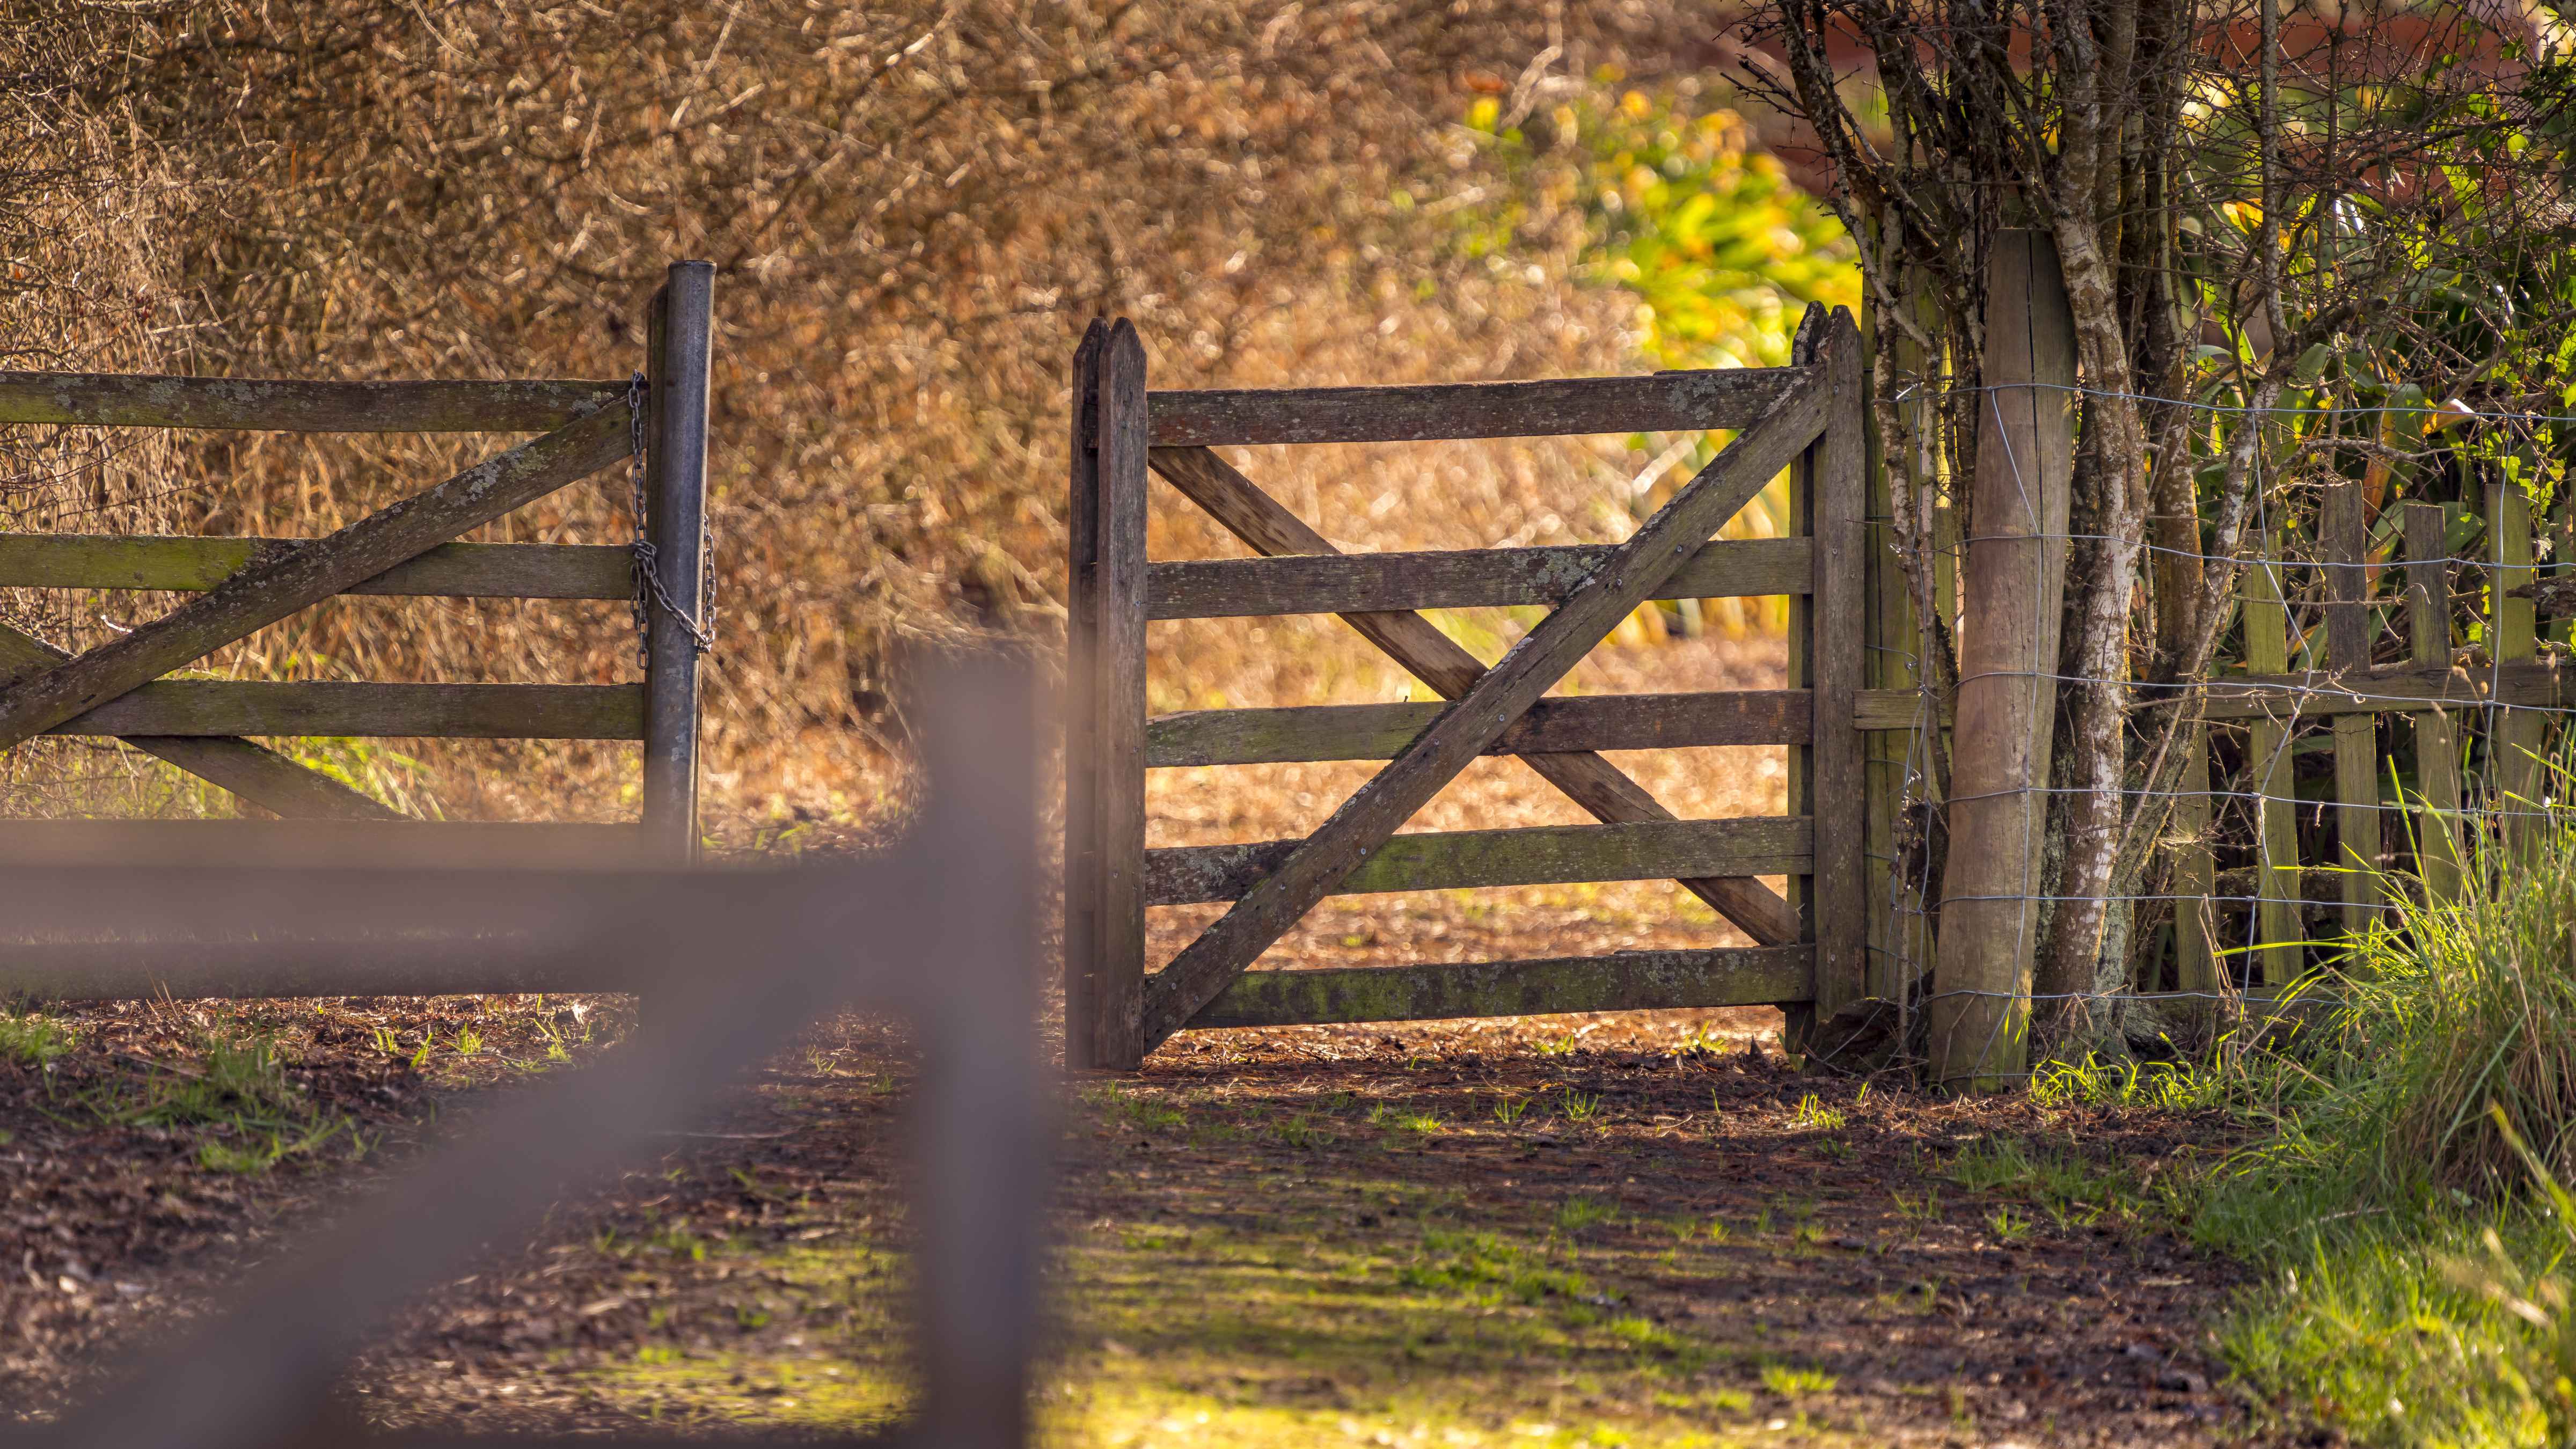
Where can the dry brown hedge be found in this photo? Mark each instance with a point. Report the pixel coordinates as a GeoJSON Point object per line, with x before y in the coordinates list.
{"type": "Point", "coordinates": [915, 206]}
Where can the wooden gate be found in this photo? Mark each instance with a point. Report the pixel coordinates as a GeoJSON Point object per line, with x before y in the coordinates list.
{"type": "Point", "coordinates": [1810, 947]}
{"type": "Point", "coordinates": [243, 584]}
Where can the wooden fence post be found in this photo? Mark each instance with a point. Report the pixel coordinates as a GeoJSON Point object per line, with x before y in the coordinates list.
{"type": "Point", "coordinates": [2513, 747]}
{"type": "Point", "coordinates": [2356, 736]}
{"type": "Point", "coordinates": [1104, 757]}
{"type": "Point", "coordinates": [675, 480]}
{"type": "Point", "coordinates": [2437, 747]}
{"type": "Point", "coordinates": [2278, 913]}
{"type": "Point", "coordinates": [2015, 584]}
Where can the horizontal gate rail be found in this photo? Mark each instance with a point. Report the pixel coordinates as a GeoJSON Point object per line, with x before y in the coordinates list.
{"type": "Point", "coordinates": [1301, 733]}
{"type": "Point", "coordinates": [98, 400]}
{"type": "Point", "coordinates": [1692, 401]}
{"type": "Point", "coordinates": [1451, 579]}
{"type": "Point", "coordinates": [365, 709]}
{"type": "Point", "coordinates": [1623, 981]}
{"type": "Point", "coordinates": [1467, 859]}
{"type": "Point", "coordinates": [193, 564]}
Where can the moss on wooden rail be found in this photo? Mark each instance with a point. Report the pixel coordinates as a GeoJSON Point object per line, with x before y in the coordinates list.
{"type": "Point", "coordinates": [1548, 855]}
{"type": "Point", "coordinates": [1687, 401]}
{"type": "Point", "coordinates": [471, 711]}
{"type": "Point", "coordinates": [1552, 726]}
{"type": "Point", "coordinates": [1452, 579]}
{"type": "Point", "coordinates": [1625, 981]}
{"type": "Point", "coordinates": [192, 565]}
{"type": "Point", "coordinates": [133, 400]}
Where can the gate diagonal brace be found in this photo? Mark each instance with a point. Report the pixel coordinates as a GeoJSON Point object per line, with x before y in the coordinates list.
{"type": "Point", "coordinates": [1626, 577]}
{"type": "Point", "coordinates": [265, 592]}
{"type": "Point", "coordinates": [1414, 642]}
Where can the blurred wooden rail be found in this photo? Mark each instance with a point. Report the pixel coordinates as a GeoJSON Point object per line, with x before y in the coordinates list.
{"type": "Point", "coordinates": [1552, 726]}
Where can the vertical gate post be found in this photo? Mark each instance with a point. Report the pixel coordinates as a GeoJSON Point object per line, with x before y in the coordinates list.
{"type": "Point", "coordinates": [1837, 895]}
{"type": "Point", "coordinates": [2015, 586]}
{"type": "Point", "coordinates": [682, 334]}
{"type": "Point", "coordinates": [1104, 755]}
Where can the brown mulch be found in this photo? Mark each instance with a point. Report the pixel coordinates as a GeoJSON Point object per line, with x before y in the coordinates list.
{"type": "Point", "coordinates": [127, 1196]}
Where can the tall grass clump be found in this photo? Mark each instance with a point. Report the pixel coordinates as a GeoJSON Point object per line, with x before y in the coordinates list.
{"type": "Point", "coordinates": [2406, 1202]}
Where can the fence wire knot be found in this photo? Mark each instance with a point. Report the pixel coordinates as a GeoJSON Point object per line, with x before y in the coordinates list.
{"type": "Point", "coordinates": [649, 592]}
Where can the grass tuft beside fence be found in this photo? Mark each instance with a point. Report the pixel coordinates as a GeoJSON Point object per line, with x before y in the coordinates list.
{"type": "Point", "coordinates": [2399, 1188]}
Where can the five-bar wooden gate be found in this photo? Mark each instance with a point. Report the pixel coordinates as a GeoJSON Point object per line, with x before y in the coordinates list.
{"type": "Point", "coordinates": [1810, 947]}
{"type": "Point", "coordinates": [243, 584]}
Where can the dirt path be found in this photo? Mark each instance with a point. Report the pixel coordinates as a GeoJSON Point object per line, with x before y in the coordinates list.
{"type": "Point", "coordinates": [1576, 1232]}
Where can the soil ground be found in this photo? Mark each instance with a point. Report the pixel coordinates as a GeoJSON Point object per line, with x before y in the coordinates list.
{"type": "Point", "coordinates": [1644, 1229]}
{"type": "Point", "coordinates": [1636, 1230]}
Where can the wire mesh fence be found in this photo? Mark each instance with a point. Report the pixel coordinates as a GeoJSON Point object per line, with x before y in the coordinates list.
{"type": "Point", "coordinates": [2386, 700]}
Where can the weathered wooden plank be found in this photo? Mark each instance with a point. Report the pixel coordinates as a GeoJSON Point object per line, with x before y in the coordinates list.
{"type": "Point", "coordinates": [2277, 927]}
{"type": "Point", "coordinates": [2356, 736]}
{"type": "Point", "coordinates": [1453, 579]}
{"type": "Point", "coordinates": [1381, 731]}
{"type": "Point", "coordinates": [1838, 901]}
{"type": "Point", "coordinates": [203, 707]}
{"type": "Point", "coordinates": [194, 565]}
{"type": "Point", "coordinates": [2015, 579]}
{"type": "Point", "coordinates": [1457, 860]}
{"type": "Point", "coordinates": [2437, 747]}
{"type": "Point", "coordinates": [2516, 742]}
{"type": "Point", "coordinates": [260, 776]}
{"type": "Point", "coordinates": [266, 592]}
{"type": "Point", "coordinates": [1478, 717]}
{"type": "Point", "coordinates": [681, 350]}
{"type": "Point", "coordinates": [1627, 981]}
{"type": "Point", "coordinates": [1105, 752]}
{"type": "Point", "coordinates": [1437, 660]}
{"type": "Point", "coordinates": [1658, 402]}
{"type": "Point", "coordinates": [134, 400]}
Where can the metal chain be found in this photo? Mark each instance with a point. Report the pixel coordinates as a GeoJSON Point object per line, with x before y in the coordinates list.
{"type": "Point", "coordinates": [648, 578]}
